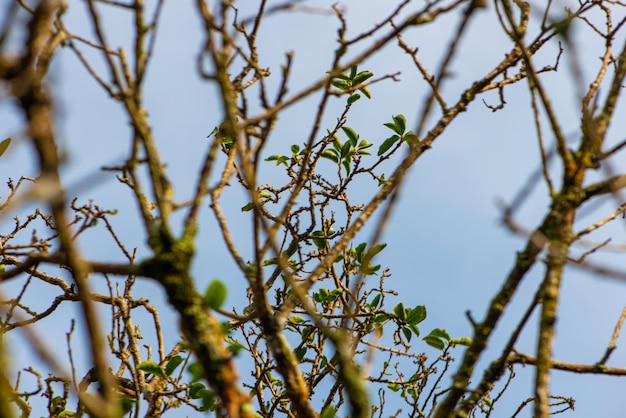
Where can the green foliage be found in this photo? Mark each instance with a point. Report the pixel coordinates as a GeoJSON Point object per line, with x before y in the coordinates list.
{"type": "Point", "coordinates": [4, 145]}
{"type": "Point", "coordinates": [215, 294]}
{"type": "Point", "coordinates": [350, 82]}
{"type": "Point", "coordinates": [398, 126]}
{"type": "Point", "coordinates": [172, 364]}
{"type": "Point", "coordinates": [151, 367]}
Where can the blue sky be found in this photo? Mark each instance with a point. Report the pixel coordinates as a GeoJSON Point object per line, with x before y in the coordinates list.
{"type": "Point", "coordinates": [446, 248]}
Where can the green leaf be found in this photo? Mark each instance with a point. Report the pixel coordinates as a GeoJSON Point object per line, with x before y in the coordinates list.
{"type": "Point", "coordinates": [215, 294]}
{"type": "Point", "coordinates": [150, 367]}
{"type": "Point", "coordinates": [300, 353]}
{"type": "Point", "coordinates": [364, 144]}
{"type": "Point", "coordinates": [411, 139]}
{"type": "Point", "coordinates": [4, 145]}
{"type": "Point", "coordinates": [353, 71]}
{"type": "Point", "coordinates": [280, 159]}
{"type": "Point", "coordinates": [345, 150]}
{"type": "Point", "coordinates": [353, 98]}
{"type": "Point", "coordinates": [366, 91]}
{"type": "Point", "coordinates": [374, 303]}
{"type": "Point", "coordinates": [361, 77]}
{"type": "Point", "coordinates": [382, 180]}
{"type": "Point", "coordinates": [414, 329]}
{"type": "Point", "coordinates": [213, 132]}
{"type": "Point", "coordinates": [248, 207]}
{"type": "Point", "coordinates": [66, 413]}
{"type": "Point", "coordinates": [127, 404]}
{"type": "Point", "coordinates": [376, 249]}
{"type": "Point", "coordinates": [440, 333]}
{"type": "Point", "coordinates": [466, 341]}
{"type": "Point", "coordinates": [435, 342]}
{"type": "Point", "coordinates": [387, 144]}
{"type": "Point", "coordinates": [353, 137]}
{"type": "Point", "coordinates": [416, 315]}
{"type": "Point", "coordinates": [330, 154]}
{"type": "Point", "coordinates": [399, 311]}
{"type": "Point", "coordinates": [407, 333]}
{"type": "Point", "coordinates": [380, 318]}
{"type": "Point", "coordinates": [269, 262]}
{"type": "Point", "coordinates": [195, 390]}
{"type": "Point", "coordinates": [360, 251]}
{"type": "Point", "coordinates": [399, 122]}
{"type": "Point", "coordinates": [346, 163]}
{"type": "Point", "coordinates": [370, 270]}
{"type": "Point", "coordinates": [319, 242]}
{"type": "Point", "coordinates": [341, 84]}
{"type": "Point", "coordinates": [295, 148]}
{"type": "Point", "coordinates": [234, 347]}
{"type": "Point", "coordinates": [395, 387]}
{"type": "Point", "coordinates": [196, 371]}
{"type": "Point", "coordinates": [329, 412]}
{"type": "Point", "coordinates": [208, 400]}
{"type": "Point", "coordinates": [337, 144]}
{"type": "Point", "coordinates": [172, 364]}
{"type": "Point", "coordinates": [437, 338]}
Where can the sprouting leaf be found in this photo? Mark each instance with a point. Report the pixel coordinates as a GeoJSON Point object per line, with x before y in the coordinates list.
{"type": "Point", "coordinates": [361, 77]}
{"type": "Point", "coordinates": [399, 311]}
{"type": "Point", "coordinates": [366, 91]}
{"type": "Point", "coordinates": [382, 180]}
{"type": "Point", "coordinates": [379, 319]}
{"type": "Point", "coordinates": [411, 139]}
{"type": "Point", "coordinates": [395, 387]}
{"type": "Point", "coordinates": [196, 389]}
{"type": "Point", "coordinates": [330, 154]}
{"type": "Point", "coordinates": [337, 145]}
{"type": "Point", "coordinates": [353, 71]}
{"type": "Point", "coordinates": [4, 145]}
{"type": "Point", "coordinates": [297, 319]}
{"type": "Point", "coordinates": [387, 144]}
{"type": "Point", "coordinates": [215, 294]}
{"type": "Point", "coordinates": [466, 341]}
{"type": "Point", "coordinates": [295, 148]}
{"type": "Point", "coordinates": [280, 159]}
{"type": "Point", "coordinates": [374, 303]}
{"type": "Point", "coordinates": [414, 329]}
{"type": "Point", "coordinates": [360, 251]}
{"type": "Point", "coordinates": [364, 144]}
{"type": "Point", "coordinates": [440, 333]}
{"type": "Point", "coordinates": [437, 338]}
{"type": "Point", "coordinates": [234, 347]}
{"type": "Point", "coordinates": [319, 242]}
{"type": "Point", "coordinates": [416, 315]}
{"type": "Point", "coordinates": [376, 249]}
{"type": "Point", "coordinates": [399, 122]}
{"type": "Point", "coordinates": [269, 262]}
{"type": "Point", "coordinates": [341, 84]}
{"type": "Point", "coordinates": [345, 150]}
{"type": "Point", "coordinates": [370, 270]}
{"type": "Point", "coordinates": [213, 132]}
{"type": "Point", "coordinates": [346, 163]}
{"type": "Point", "coordinates": [353, 98]}
{"type": "Point", "coordinates": [353, 137]}
{"type": "Point", "coordinates": [150, 367]}
{"type": "Point", "coordinates": [407, 333]}
{"type": "Point", "coordinates": [248, 207]}
{"type": "Point", "coordinates": [172, 364]}
{"type": "Point", "coordinates": [300, 353]}
{"type": "Point", "coordinates": [196, 371]}
{"type": "Point", "coordinates": [434, 342]}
